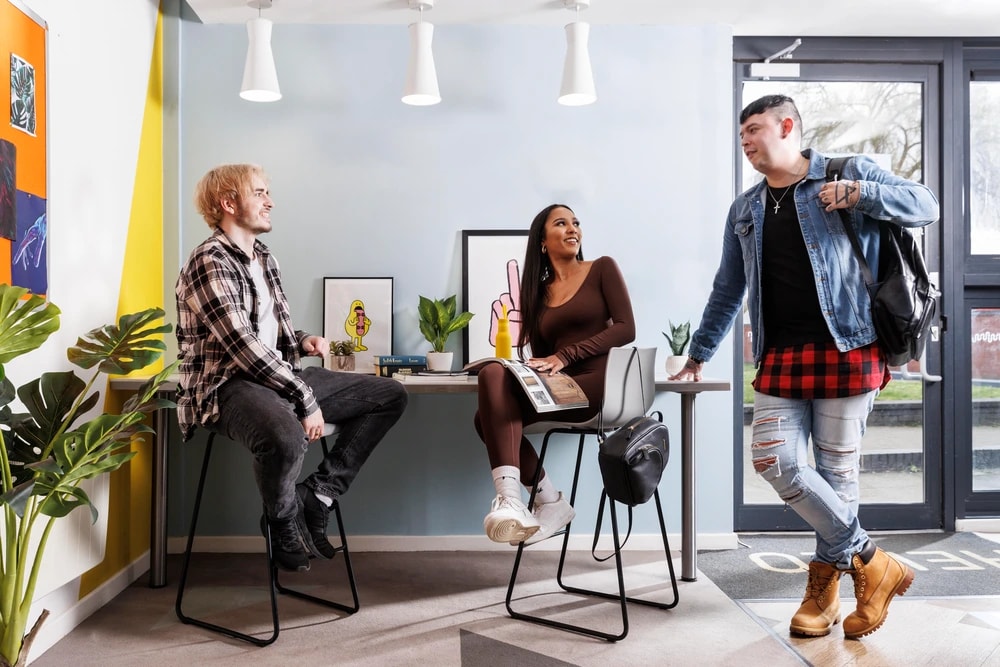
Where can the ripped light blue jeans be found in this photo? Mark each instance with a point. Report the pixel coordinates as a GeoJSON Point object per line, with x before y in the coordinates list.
{"type": "Point", "coordinates": [826, 496]}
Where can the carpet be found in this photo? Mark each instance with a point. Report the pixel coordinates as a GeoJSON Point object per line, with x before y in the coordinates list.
{"type": "Point", "coordinates": [773, 567]}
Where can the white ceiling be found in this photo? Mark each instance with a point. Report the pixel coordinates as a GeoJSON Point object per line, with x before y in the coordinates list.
{"type": "Point", "coordinates": [863, 18]}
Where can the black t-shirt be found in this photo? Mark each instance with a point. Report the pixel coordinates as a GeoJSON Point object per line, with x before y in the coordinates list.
{"type": "Point", "coordinates": [789, 302]}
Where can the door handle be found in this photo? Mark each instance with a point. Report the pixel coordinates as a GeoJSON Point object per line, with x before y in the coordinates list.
{"type": "Point", "coordinates": [905, 374]}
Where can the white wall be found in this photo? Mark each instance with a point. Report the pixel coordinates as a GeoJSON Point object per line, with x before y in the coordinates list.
{"type": "Point", "coordinates": [98, 71]}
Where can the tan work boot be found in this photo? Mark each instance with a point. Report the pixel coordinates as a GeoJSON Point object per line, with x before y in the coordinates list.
{"type": "Point", "coordinates": [820, 609]}
{"type": "Point", "coordinates": [874, 586]}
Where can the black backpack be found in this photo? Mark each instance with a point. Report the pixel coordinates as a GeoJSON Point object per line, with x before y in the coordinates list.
{"type": "Point", "coordinates": [904, 300]}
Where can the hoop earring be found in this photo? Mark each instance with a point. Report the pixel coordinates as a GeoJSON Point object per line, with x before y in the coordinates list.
{"type": "Point", "coordinates": [544, 250]}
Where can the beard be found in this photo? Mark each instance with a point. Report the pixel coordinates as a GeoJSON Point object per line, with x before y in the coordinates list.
{"type": "Point", "coordinates": [252, 222]}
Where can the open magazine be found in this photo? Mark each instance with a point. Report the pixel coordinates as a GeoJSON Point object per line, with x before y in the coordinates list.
{"type": "Point", "coordinates": [546, 392]}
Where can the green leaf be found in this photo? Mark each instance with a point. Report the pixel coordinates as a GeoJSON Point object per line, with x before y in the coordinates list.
{"type": "Point", "coordinates": [133, 344]}
{"type": "Point", "coordinates": [26, 321]}
{"type": "Point", "coordinates": [49, 400]}
{"type": "Point", "coordinates": [62, 503]}
{"type": "Point", "coordinates": [438, 320]}
{"type": "Point", "coordinates": [17, 498]}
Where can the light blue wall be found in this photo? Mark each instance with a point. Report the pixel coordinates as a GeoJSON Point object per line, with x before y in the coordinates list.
{"type": "Point", "coordinates": [365, 185]}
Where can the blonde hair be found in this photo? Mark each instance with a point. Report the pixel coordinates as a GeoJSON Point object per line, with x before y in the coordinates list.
{"type": "Point", "coordinates": [233, 181]}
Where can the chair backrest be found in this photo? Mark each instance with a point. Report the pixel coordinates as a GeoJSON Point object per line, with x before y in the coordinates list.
{"type": "Point", "coordinates": [629, 385]}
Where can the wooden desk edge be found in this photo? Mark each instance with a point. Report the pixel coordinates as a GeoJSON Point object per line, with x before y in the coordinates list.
{"type": "Point", "coordinates": [451, 387]}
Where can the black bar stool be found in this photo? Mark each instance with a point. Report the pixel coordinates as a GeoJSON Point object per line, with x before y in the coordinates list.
{"type": "Point", "coordinates": [274, 585]}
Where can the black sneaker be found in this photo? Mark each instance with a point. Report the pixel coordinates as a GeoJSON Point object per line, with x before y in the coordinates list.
{"type": "Point", "coordinates": [316, 515]}
{"type": "Point", "coordinates": [287, 549]}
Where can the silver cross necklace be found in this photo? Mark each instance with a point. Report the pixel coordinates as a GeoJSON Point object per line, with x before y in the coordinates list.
{"type": "Point", "coordinates": [778, 200]}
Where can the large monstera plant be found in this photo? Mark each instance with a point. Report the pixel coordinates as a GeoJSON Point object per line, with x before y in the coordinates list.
{"type": "Point", "coordinates": [45, 453]}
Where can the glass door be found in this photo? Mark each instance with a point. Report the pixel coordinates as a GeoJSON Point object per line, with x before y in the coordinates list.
{"type": "Point", "coordinates": [886, 111]}
{"type": "Point", "coordinates": [978, 385]}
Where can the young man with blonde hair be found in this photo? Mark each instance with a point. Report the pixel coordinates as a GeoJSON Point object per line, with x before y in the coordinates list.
{"type": "Point", "coordinates": [241, 373]}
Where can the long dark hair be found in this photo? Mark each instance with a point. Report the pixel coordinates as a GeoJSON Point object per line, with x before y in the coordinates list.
{"type": "Point", "coordinates": [536, 274]}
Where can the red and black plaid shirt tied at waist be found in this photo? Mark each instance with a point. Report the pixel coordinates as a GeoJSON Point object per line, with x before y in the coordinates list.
{"type": "Point", "coordinates": [820, 370]}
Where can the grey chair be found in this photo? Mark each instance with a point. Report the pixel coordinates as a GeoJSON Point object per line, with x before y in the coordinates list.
{"type": "Point", "coordinates": [629, 389]}
{"type": "Point", "coordinates": [274, 585]}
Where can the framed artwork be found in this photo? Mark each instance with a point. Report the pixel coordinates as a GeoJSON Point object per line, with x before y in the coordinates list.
{"type": "Point", "coordinates": [491, 280]}
{"type": "Point", "coordinates": [359, 310]}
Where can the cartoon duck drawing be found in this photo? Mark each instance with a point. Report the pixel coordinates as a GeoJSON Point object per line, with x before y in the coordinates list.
{"type": "Point", "coordinates": [357, 325]}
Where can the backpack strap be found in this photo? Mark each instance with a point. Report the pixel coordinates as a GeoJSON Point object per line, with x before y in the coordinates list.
{"type": "Point", "coordinates": [834, 168]}
{"type": "Point", "coordinates": [597, 530]}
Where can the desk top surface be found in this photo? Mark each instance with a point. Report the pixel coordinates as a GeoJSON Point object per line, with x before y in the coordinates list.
{"type": "Point", "coordinates": [465, 386]}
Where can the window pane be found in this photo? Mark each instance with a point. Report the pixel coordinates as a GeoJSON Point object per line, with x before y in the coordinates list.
{"type": "Point", "coordinates": [985, 399]}
{"type": "Point", "coordinates": [984, 167]}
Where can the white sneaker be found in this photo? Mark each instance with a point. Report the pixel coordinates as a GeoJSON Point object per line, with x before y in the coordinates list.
{"type": "Point", "coordinates": [553, 517]}
{"type": "Point", "coordinates": [509, 521]}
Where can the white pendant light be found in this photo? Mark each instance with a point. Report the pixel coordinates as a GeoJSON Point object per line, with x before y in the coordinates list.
{"type": "Point", "coordinates": [260, 79]}
{"type": "Point", "coordinates": [578, 78]}
{"type": "Point", "coordinates": [421, 87]}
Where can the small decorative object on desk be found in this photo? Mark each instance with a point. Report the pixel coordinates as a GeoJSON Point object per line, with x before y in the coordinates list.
{"type": "Point", "coordinates": [387, 365]}
{"type": "Point", "coordinates": [503, 342]}
{"type": "Point", "coordinates": [678, 339]}
{"type": "Point", "coordinates": [342, 355]}
{"type": "Point", "coordinates": [439, 319]}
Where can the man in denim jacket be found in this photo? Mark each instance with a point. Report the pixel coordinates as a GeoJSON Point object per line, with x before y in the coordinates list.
{"type": "Point", "coordinates": [819, 366]}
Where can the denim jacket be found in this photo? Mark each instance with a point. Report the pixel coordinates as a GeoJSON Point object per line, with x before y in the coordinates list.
{"type": "Point", "coordinates": [843, 297]}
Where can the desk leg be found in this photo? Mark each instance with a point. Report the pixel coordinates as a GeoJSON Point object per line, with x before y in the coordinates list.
{"type": "Point", "coordinates": [689, 528]}
{"type": "Point", "coordinates": [158, 513]}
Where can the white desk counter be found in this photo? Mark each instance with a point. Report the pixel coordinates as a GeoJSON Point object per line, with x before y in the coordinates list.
{"type": "Point", "coordinates": [688, 392]}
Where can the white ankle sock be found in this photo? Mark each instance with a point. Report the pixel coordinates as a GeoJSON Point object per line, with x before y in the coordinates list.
{"type": "Point", "coordinates": [547, 492]}
{"type": "Point", "coordinates": [507, 481]}
{"type": "Point", "coordinates": [326, 500]}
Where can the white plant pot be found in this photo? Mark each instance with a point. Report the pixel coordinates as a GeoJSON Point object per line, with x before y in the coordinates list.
{"type": "Point", "coordinates": [675, 363]}
{"type": "Point", "coordinates": [439, 361]}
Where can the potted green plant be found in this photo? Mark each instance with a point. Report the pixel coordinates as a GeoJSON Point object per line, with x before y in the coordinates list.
{"type": "Point", "coordinates": [45, 455]}
{"type": "Point", "coordinates": [678, 339]}
{"type": "Point", "coordinates": [342, 355]}
{"type": "Point", "coordinates": [439, 319]}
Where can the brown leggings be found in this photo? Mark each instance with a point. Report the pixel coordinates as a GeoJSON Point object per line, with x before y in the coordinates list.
{"type": "Point", "coordinates": [503, 413]}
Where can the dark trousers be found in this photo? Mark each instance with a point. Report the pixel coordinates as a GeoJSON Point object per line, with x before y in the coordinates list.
{"type": "Point", "coordinates": [364, 406]}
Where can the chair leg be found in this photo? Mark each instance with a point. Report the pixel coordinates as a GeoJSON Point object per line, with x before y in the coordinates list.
{"type": "Point", "coordinates": [274, 585]}
{"type": "Point", "coordinates": [620, 596]}
{"type": "Point", "coordinates": [349, 609]}
{"type": "Point", "coordinates": [229, 632]}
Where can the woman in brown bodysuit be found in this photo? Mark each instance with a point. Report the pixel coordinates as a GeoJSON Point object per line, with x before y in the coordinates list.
{"type": "Point", "coordinates": [572, 313]}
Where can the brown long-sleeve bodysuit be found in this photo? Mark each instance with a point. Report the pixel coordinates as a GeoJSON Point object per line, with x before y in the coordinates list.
{"type": "Point", "coordinates": [580, 332]}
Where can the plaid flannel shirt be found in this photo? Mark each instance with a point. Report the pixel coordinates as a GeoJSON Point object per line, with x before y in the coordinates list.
{"type": "Point", "coordinates": [820, 370]}
{"type": "Point", "coordinates": [218, 334]}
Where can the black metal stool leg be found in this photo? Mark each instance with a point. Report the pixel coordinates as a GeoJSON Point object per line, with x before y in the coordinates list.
{"type": "Point", "coordinates": [349, 609]}
{"type": "Point", "coordinates": [229, 632]}
{"type": "Point", "coordinates": [274, 585]}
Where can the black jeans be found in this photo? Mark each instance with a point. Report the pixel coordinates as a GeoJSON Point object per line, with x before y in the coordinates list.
{"type": "Point", "coordinates": [364, 407]}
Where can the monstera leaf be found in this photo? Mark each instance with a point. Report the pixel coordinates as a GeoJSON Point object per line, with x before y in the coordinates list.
{"type": "Point", "coordinates": [25, 323]}
{"type": "Point", "coordinates": [121, 349]}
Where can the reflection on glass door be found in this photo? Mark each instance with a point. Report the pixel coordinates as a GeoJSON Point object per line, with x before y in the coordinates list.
{"type": "Point", "coordinates": [885, 120]}
{"type": "Point", "coordinates": [985, 328]}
